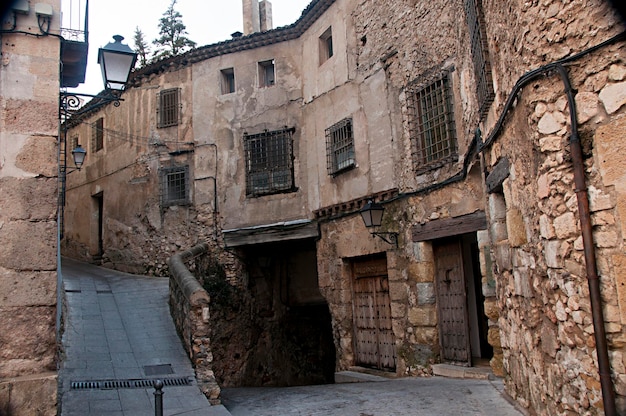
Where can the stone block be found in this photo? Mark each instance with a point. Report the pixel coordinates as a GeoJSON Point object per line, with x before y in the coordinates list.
{"type": "Point", "coordinates": [28, 339]}
{"type": "Point", "coordinates": [598, 200]}
{"type": "Point", "coordinates": [491, 310]}
{"type": "Point", "coordinates": [605, 239]}
{"type": "Point", "coordinates": [427, 335]}
{"type": "Point", "coordinates": [423, 316]}
{"type": "Point", "coordinates": [497, 207]}
{"type": "Point", "coordinates": [493, 337]}
{"type": "Point", "coordinates": [422, 272]}
{"type": "Point", "coordinates": [587, 106]}
{"type": "Point", "coordinates": [27, 288]}
{"type": "Point", "coordinates": [551, 122]}
{"type": "Point", "coordinates": [613, 96]}
{"type": "Point", "coordinates": [551, 144]}
{"type": "Point", "coordinates": [398, 309]}
{"type": "Point", "coordinates": [28, 245]}
{"type": "Point", "coordinates": [39, 156]}
{"type": "Point", "coordinates": [543, 186]}
{"type": "Point", "coordinates": [498, 231]}
{"type": "Point", "coordinates": [503, 257]}
{"type": "Point", "coordinates": [565, 225]}
{"type": "Point", "coordinates": [425, 293]}
{"type": "Point", "coordinates": [423, 252]}
{"type": "Point", "coordinates": [551, 253]}
{"type": "Point", "coordinates": [398, 292]}
{"type": "Point", "coordinates": [32, 199]}
{"type": "Point", "coordinates": [611, 153]}
{"type": "Point", "coordinates": [619, 274]}
{"type": "Point", "coordinates": [32, 395]}
{"type": "Point", "coordinates": [515, 227]}
{"type": "Point", "coordinates": [546, 229]}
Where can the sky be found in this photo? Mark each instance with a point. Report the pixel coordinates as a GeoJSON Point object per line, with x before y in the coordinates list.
{"type": "Point", "coordinates": [207, 22]}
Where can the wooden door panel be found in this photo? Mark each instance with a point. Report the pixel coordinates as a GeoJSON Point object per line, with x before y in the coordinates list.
{"type": "Point", "coordinates": [451, 303]}
{"type": "Point", "coordinates": [374, 340]}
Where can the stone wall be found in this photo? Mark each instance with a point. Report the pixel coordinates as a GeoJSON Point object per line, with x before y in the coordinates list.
{"type": "Point", "coordinates": [29, 73]}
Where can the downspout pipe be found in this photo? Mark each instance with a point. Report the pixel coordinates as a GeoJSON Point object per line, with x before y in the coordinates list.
{"type": "Point", "coordinates": [593, 280]}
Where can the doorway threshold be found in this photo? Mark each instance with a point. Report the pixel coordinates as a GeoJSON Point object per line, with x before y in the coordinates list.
{"type": "Point", "coordinates": [456, 371]}
{"type": "Point", "coordinates": [362, 375]}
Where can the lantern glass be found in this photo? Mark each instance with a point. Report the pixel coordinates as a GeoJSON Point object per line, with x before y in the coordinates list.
{"type": "Point", "coordinates": [116, 61]}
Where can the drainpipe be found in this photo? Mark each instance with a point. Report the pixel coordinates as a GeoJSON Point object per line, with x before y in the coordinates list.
{"type": "Point", "coordinates": [604, 366]}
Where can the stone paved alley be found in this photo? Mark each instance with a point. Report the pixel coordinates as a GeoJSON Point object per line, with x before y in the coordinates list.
{"type": "Point", "coordinates": [118, 328]}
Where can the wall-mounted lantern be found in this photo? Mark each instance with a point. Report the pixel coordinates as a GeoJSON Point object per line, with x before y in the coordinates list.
{"type": "Point", "coordinates": [372, 214]}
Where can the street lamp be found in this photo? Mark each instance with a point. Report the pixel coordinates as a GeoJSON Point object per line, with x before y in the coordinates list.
{"type": "Point", "coordinates": [116, 61]}
{"type": "Point", "coordinates": [372, 214]}
{"type": "Point", "coordinates": [78, 154]}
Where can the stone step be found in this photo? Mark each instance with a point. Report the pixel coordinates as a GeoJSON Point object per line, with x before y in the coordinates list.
{"type": "Point", "coordinates": [356, 377]}
{"type": "Point", "coordinates": [455, 371]}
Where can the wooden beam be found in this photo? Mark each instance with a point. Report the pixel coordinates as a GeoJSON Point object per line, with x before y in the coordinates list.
{"type": "Point", "coordinates": [449, 226]}
{"type": "Point", "coordinates": [498, 174]}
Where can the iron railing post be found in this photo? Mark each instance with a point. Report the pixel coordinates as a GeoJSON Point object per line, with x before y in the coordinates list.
{"type": "Point", "coordinates": [158, 398]}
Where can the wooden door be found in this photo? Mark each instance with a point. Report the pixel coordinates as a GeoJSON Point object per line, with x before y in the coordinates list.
{"type": "Point", "coordinates": [374, 339]}
{"type": "Point", "coordinates": [452, 303]}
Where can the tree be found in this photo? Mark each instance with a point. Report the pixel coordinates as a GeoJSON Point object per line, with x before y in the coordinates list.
{"type": "Point", "coordinates": [141, 47]}
{"type": "Point", "coordinates": [172, 30]}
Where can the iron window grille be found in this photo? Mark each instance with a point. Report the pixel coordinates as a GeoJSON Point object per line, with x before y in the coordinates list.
{"type": "Point", "coordinates": [168, 111]}
{"type": "Point", "coordinates": [326, 45]}
{"type": "Point", "coordinates": [228, 80]}
{"type": "Point", "coordinates": [340, 147]}
{"type": "Point", "coordinates": [480, 56]}
{"type": "Point", "coordinates": [174, 186]}
{"type": "Point", "coordinates": [431, 123]}
{"type": "Point", "coordinates": [269, 162]}
{"type": "Point", "coordinates": [73, 144]}
{"type": "Point", "coordinates": [97, 135]}
{"type": "Point", "coordinates": [267, 76]}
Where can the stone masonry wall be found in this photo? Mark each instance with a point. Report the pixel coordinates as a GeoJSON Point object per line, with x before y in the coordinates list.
{"type": "Point", "coordinates": [28, 182]}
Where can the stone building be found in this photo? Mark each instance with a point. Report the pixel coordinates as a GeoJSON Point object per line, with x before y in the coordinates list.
{"type": "Point", "coordinates": [30, 49]}
{"type": "Point", "coordinates": [453, 116]}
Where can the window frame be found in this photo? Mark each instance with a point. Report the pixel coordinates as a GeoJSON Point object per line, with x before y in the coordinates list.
{"type": "Point", "coordinates": [166, 176]}
{"type": "Point", "coordinates": [431, 121]}
{"type": "Point", "coordinates": [340, 152]}
{"type": "Point", "coordinates": [169, 108]}
{"type": "Point", "coordinates": [227, 81]}
{"type": "Point", "coordinates": [97, 135]}
{"type": "Point", "coordinates": [269, 160]}
{"type": "Point", "coordinates": [326, 50]}
{"type": "Point", "coordinates": [485, 93]}
{"type": "Point", "coordinates": [267, 68]}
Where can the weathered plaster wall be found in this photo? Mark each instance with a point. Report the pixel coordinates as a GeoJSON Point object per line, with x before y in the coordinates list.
{"type": "Point", "coordinates": [29, 74]}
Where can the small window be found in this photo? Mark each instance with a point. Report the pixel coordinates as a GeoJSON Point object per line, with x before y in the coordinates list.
{"type": "Point", "coordinates": [97, 135]}
{"type": "Point", "coordinates": [266, 74]}
{"type": "Point", "coordinates": [480, 56]}
{"type": "Point", "coordinates": [228, 80]}
{"type": "Point", "coordinates": [340, 147]}
{"type": "Point", "coordinates": [169, 108]}
{"type": "Point", "coordinates": [174, 186]}
{"type": "Point", "coordinates": [269, 162]}
{"type": "Point", "coordinates": [326, 45]}
{"type": "Point", "coordinates": [73, 144]}
{"type": "Point", "coordinates": [431, 123]}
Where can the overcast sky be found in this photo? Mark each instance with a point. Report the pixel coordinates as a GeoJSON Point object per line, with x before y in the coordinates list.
{"type": "Point", "coordinates": [207, 21]}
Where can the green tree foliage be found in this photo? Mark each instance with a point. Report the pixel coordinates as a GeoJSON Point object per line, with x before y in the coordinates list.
{"type": "Point", "coordinates": [141, 47]}
{"type": "Point", "coordinates": [172, 31]}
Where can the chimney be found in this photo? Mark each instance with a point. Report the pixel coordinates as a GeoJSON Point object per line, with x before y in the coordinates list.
{"type": "Point", "coordinates": [251, 20]}
{"type": "Point", "coordinates": [265, 15]}
{"type": "Point", "coordinates": [257, 16]}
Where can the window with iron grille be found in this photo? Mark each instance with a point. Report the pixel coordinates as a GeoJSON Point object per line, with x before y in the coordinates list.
{"type": "Point", "coordinates": [266, 74]}
{"type": "Point", "coordinates": [169, 108]}
{"type": "Point", "coordinates": [174, 186]}
{"type": "Point", "coordinates": [480, 56]}
{"type": "Point", "coordinates": [431, 123]}
{"type": "Point", "coordinates": [97, 135]}
{"type": "Point", "coordinates": [326, 45]}
{"type": "Point", "coordinates": [269, 162]}
{"type": "Point", "coordinates": [339, 147]}
{"type": "Point", "coordinates": [228, 80]}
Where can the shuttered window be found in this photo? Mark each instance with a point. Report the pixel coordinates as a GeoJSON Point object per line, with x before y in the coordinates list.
{"type": "Point", "coordinates": [174, 186]}
{"type": "Point", "coordinates": [97, 135]}
{"type": "Point", "coordinates": [169, 107]}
